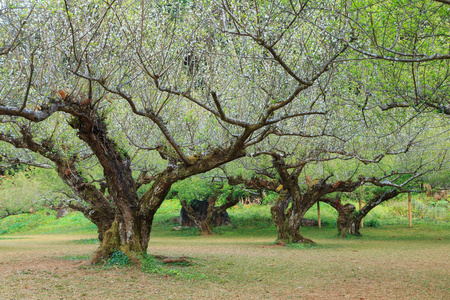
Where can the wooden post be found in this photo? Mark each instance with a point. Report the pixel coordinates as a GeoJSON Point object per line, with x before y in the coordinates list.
{"type": "Point", "coordinates": [360, 206]}
{"type": "Point", "coordinates": [318, 214]}
{"type": "Point", "coordinates": [409, 210]}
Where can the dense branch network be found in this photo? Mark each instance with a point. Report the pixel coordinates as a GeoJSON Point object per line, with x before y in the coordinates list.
{"type": "Point", "coordinates": [198, 89]}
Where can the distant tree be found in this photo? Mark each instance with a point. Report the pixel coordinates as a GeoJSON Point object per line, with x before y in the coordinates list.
{"type": "Point", "coordinates": [349, 218]}
{"type": "Point", "coordinates": [198, 197]}
{"type": "Point", "coordinates": [205, 213]}
{"type": "Point", "coordinates": [25, 192]}
{"type": "Point", "coordinates": [306, 170]}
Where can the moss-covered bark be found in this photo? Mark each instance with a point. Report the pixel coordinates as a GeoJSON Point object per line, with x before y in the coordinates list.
{"type": "Point", "coordinates": [112, 241]}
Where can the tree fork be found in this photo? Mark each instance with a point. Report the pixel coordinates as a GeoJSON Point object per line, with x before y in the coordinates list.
{"type": "Point", "coordinates": [349, 220]}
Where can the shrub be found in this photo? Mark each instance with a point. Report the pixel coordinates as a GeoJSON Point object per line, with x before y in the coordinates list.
{"type": "Point", "coordinates": [372, 223]}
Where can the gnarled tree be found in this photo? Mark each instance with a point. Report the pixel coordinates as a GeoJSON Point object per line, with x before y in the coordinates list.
{"type": "Point", "coordinates": [102, 90]}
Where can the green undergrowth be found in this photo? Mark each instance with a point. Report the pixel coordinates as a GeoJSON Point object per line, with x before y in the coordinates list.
{"type": "Point", "coordinates": [11, 238]}
{"type": "Point", "coordinates": [118, 259]}
{"type": "Point", "coordinates": [170, 206]}
{"type": "Point", "coordinates": [420, 231]}
{"type": "Point", "coordinates": [247, 220]}
{"type": "Point", "coordinates": [304, 246]}
{"type": "Point", "coordinates": [45, 221]}
{"type": "Point", "coordinates": [251, 215]}
{"type": "Point", "coordinates": [150, 265]}
{"type": "Point", "coordinates": [184, 269]}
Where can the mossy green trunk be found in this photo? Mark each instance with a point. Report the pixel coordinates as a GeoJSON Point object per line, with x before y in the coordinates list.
{"type": "Point", "coordinates": [129, 236]}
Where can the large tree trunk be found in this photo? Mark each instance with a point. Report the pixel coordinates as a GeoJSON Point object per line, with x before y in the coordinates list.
{"type": "Point", "coordinates": [102, 218]}
{"type": "Point", "coordinates": [126, 232]}
{"type": "Point", "coordinates": [349, 221]}
{"type": "Point", "coordinates": [213, 213]}
{"type": "Point", "coordinates": [124, 235]}
{"type": "Point", "coordinates": [289, 221]}
{"type": "Point", "coordinates": [131, 229]}
{"type": "Point", "coordinates": [202, 222]}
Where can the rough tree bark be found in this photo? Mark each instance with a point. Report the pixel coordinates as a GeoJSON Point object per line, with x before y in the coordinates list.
{"type": "Point", "coordinates": [349, 219]}
{"type": "Point", "coordinates": [213, 213]}
{"type": "Point", "coordinates": [289, 221]}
